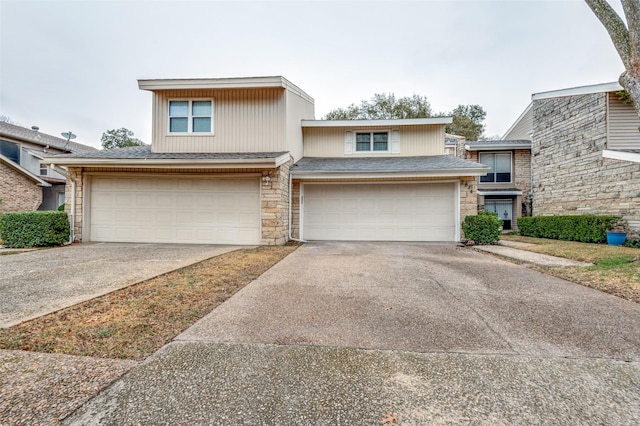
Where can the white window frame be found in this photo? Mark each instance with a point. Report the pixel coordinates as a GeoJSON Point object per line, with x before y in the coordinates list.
{"type": "Point", "coordinates": [371, 151]}
{"type": "Point", "coordinates": [190, 117]}
{"type": "Point", "coordinates": [45, 168]}
{"type": "Point", "coordinates": [510, 154]}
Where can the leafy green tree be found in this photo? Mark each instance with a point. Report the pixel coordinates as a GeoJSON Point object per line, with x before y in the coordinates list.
{"type": "Point", "coordinates": [468, 121]}
{"type": "Point", "coordinates": [626, 39]}
{"type": "Point", "coordinates": [384, 106]}
{"type": "Point", "coordinates": [119, 138]}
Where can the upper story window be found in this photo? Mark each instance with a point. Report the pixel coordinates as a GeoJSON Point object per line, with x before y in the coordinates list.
{"type": "Point", "coordinates": [44, 169]}
{"type": "Point", "coordinates": [500, 164]}
{"type": "Point", "coordinates": [191, 116]}
{"type": "Point", "coordinates": [10, 150]}
{"type": "Point", "coordinates": [372, 141]}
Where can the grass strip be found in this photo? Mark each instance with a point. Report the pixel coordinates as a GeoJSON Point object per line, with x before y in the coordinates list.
{"type": "Point", "coordinates": [616, 269]}
{"type": "Point", "coordinates": [134, 322]}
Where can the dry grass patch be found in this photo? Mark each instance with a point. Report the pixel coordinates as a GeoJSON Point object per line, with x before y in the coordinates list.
{"type": "Point", "coordinates": [615, 271]}
{"type": "Point", "coordinates": [134, 322]}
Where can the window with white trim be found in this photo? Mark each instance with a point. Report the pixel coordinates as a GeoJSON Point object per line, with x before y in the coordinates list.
{"type": "Point", "coordinates": [44, 170]}
{"type": "Point", "coordinates": [500, 167]}
{"type": "Point", "coordinates": [372, 141]}
{"type": "Point", "coordinates": [191, 116]}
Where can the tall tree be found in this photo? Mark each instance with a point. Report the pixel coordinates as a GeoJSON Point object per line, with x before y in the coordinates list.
{"type": "Point", "coordinates": [119, 138]}
{"type": "Point", "coordinates": [626, 39]}
{"type": "Point", "coordinates": [468, 121]}
{"type": "Point", "coordinates": [384, 106]}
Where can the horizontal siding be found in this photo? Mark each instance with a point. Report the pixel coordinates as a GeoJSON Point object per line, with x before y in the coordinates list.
{"type": "Point", "coordinates": [251, 120]}
{"type": "Point", "coordinates": [522, 130]}
{"type": "Point", "coordinates": [414, 141]}
{"type": "Point", "coordinates": [623, 124]}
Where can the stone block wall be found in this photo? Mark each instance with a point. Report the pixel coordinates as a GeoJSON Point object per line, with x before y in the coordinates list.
{"type": "Point", "coordinates": [522, 181]}
{"type": "Point", "coordinates": [18, 192]}
{"type": "Point", "coordinates": [275, 205]}
{"type": "Point", "coordinates": [570, 176]}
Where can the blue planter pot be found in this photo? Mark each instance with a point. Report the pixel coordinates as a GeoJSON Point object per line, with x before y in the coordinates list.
{"type": "Point", "coordinates": [616, 238]}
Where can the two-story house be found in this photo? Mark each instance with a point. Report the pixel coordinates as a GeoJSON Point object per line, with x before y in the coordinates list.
{"type": "Point", "coordinates": [243, 161]}
{"type": "Point", "coordinates": [26, 182]}
{"type": "Point", "coordinates": [585, 152]}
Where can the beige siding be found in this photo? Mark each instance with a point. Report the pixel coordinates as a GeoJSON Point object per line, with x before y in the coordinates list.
{"type": "Point", "coordinates": [522, 129]}
{"type": "Point", "coordinates": [623, 123]}
{"type": "Point", "coordinates": [298, 108]}
{"type": "Point", "coordinates": [251, 120]}
{"type": "Point", "coordinates": [414, 141]}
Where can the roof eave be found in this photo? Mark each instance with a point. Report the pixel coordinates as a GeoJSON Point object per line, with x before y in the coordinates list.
{"type": "Point", "coordinates": [318, 174]}
{"type": "Point", "coordinates": [582, 90]}
{"type": "Point", "coordinates": [23, 171]}
{"type": "Point", "coordinates": [621, 155]}
{"type": "Point", "coordinates": [216, 163]}
{"type": "Point", "coordinates": [369, 123]}
{"type": "Point", "coordinates": [494, 147]}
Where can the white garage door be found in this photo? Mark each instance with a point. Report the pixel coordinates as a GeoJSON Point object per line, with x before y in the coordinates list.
{"type": "Point", "coordinates": [159, 209]}
{"type": "Point", "coordinates": [380, 212]}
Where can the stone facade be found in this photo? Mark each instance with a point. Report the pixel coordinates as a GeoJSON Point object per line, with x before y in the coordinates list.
{"type": "Point", "coordinates": [570, 176]}
{"type": "Point", "coordinates": [275, 205]}
{"type": "Point", "coordinates": [75, 176]}
{"type": "Point", "coordinates": [18, 192]}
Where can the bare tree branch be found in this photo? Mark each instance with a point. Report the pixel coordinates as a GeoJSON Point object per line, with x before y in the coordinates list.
{"type": "Point", "coordinates": [615, 27]}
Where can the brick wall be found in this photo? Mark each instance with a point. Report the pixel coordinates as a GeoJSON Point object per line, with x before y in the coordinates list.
{"type": "Point", "coordinates": [18, 192]}
{"type": "Point", "coordinates": [570, 175]}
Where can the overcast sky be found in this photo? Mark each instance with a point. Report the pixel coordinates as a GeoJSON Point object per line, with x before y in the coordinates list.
{"type": "Point", "coordinates": [74, 65]}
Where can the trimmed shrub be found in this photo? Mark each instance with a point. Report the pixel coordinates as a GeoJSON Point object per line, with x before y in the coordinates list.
{"type": "Point", "coordinates": [483, 228]}
{"type": "Point", "coordinates": [34, 229]}
{"type": "Point", "coordinates": [583, 228]}
{"type": "Point", "coordinates": [61, 208]}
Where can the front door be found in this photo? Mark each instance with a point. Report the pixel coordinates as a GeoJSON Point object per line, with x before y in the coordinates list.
{"type": "Point", "coordinates": [503, 208]}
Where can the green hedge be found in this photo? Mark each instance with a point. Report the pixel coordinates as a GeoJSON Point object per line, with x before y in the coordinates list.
{"type": "Point", "coordinates": [34, 229]}
{"type": "Point", "coordinates": [483, 228]}
{"type": "Point", "coordinates": [583, 228]}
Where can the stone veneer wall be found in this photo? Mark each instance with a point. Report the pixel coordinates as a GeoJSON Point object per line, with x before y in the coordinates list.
{"type": "Point", "coordinates": [468, 198]}
{"type": "Point", "coordinates": [275, 205]}
{"type": "Point", "coordinates": [274, 191]}
{"type": "Point", "coordinates": [570, 176]}
{"type": "Point", "coordinates": [18, 192]}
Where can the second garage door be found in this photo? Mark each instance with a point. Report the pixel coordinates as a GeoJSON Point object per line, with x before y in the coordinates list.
{"type": "Point", "coordinates": [380, 212]}
{"type": "Point", "coordinates": [175, 209]}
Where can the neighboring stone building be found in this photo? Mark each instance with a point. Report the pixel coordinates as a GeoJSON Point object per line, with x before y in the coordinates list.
{"type": "Point", "coordinates": [585, 152]}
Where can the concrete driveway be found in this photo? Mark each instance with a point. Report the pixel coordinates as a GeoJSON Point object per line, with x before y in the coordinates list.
{"type": "Point", "coordinates": [35, 283]}
{"type": "Point", "coordinates": [347, 333]}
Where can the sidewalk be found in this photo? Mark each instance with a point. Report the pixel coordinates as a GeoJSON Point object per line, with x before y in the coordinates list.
{"type": "Point", "coordinates": [516, 251]}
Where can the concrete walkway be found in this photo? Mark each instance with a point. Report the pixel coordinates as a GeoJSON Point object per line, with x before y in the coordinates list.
{"type": "Point", "coordinates": [34, 283]}
{"type": "Point", "coordinates": [352, 333]}
{"type": "Point", "coordinates": [517, 251]}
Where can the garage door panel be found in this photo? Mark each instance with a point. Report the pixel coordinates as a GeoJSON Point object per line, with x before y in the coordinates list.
{"type": "Point", "coordinates": [380, 212]}
{"type": "Point", "coordinates": [175, 209]}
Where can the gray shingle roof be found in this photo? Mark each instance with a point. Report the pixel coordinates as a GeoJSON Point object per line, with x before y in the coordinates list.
{"type": "Point", "coordinates": [144, 152]}
{"type": "Point", "coordinates": [515, 142]}
{"type": "Point", "coordinates": [27, 135]}
{"type": "Point", "coordinates": [384, 164]}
